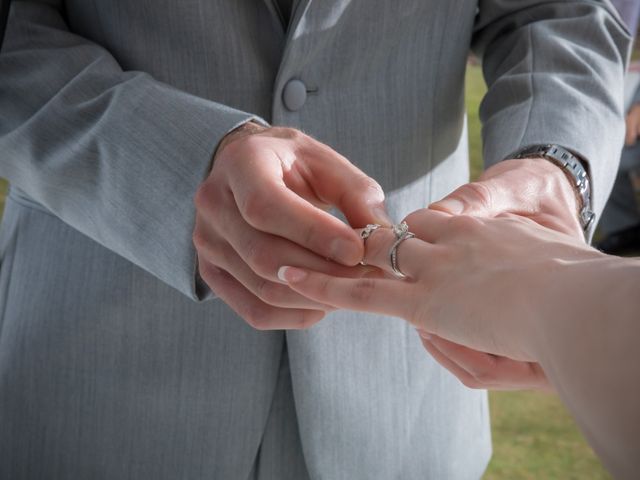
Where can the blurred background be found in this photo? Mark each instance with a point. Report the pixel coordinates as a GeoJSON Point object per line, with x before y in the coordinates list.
{"type": "Point", "coordinates": [533, 435]}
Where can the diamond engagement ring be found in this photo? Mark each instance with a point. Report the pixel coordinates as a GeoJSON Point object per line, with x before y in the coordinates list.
{"type": "Point", "coordinates": [366, 233]}
{"type": "Point", "coordinates": [402, 233]}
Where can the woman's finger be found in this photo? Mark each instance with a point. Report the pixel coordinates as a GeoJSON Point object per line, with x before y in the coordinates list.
{"type": "Point", "coordinates": [412, 254]}
{"type": "Point", "coordinates": [387, 297]}
{"type": "Point", "coordinates": [429, 225]}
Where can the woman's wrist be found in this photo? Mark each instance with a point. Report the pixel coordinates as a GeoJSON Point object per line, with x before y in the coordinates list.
{"type": "Point", "coordinates": [574, 295]}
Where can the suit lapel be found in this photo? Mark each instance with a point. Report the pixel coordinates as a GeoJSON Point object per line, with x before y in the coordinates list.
{"type": "Point", "coordinates": [298, 9]}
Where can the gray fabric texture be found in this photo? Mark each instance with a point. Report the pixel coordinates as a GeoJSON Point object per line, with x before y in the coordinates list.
{"type": "Point", "coordinates": [110, 112]}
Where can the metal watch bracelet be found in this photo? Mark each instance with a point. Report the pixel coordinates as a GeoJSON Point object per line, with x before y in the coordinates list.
{"type": "Point", "coordinates": [575, 171]}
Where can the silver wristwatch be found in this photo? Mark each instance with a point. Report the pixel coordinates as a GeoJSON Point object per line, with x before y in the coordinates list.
{"type": "Point", "coordinates": [575, 171]}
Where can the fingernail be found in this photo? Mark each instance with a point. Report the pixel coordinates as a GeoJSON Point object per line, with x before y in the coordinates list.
{"type": "Point", "coordinates": [291, 274]}
{"type": "Point", "coordinates": [346, 251]}
{"type": "Point", "coordinates": [449, 205]}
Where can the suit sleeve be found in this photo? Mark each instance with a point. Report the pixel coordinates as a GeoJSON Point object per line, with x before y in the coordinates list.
{"type": "Point", "coordinates": [115, 154]}
{"type": "Point", "coordinates": [555, 75]}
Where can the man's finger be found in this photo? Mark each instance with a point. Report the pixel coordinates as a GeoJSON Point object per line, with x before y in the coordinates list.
{"type": "Point", "coordinates": [456, 370]}
{"type": "Point", "coordinates": [339, 182]}
{"type": "Point", "coordinates": [476, 198]}
{"type": "Point", "coordinates": [490, 371]}
{"type": "Point", "coordinates": [388, 297]}
{"type": "Point", "coordinates": [272, 293]}
{"type": "Point", "coordinates": [270, 206]}
{"type": "Point", "coordinates": [265, 253]}
{"type": "Point", "coordinates": [253, 310]}
{"type": "Point", "coordinates": [429, 225]}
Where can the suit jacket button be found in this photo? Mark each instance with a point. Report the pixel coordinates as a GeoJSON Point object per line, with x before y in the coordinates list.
{"type": "Point", "coordinates": [294, 95]}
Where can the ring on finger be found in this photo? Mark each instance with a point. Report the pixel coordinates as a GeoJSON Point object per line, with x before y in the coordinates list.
{"type": "Point", "coordinates": [402, 233]}
{"type": "Point", "coordinates": [366, 233]}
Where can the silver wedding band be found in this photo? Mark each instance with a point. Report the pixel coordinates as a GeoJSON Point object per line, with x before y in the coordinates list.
{"type": "Point", "coordinates": [402, 233]}
{"type": "Point", "coordinates": [366, 233]}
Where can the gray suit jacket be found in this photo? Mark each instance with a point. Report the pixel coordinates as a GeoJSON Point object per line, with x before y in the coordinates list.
{"type": "Point", "coordinates": [109, 113]}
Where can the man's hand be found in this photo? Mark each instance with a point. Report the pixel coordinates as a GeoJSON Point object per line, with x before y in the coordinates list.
{"type": "Point", "coordinates": [532, 188]}
{"type": "Point", "coordinates": [264, 205]}
{"type": "Point", "coordinates": [477, 369]}
{"type": "Point", "coordinates": [633, 125]}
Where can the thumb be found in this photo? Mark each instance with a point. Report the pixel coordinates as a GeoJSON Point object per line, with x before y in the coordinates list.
{"type": "Point", "coordinates": [340, 183]}
{"type": "Point", "coordinates": [365, 204]}
{"type": "Point", "coordinates": [480, 199]}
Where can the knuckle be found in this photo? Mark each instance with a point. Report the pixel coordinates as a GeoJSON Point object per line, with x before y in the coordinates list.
{"type": "Point", "coordinates": [208, 199]}
{"type": "Point", "coordinates": [254, 207]}
{"type": "Point", "coordinates": [209, 250]}
{"type": "Point", "coordinates": [259, 258]}
{"type": "Point", "coordinates": [290, 134]}
{"type": "Point", "coordinates": [199, 240]}
{"type": "Point", "coordinates": [294, 134]}
{"type": "Point", "coordinates": [479, 193]}
{"type": "Point", "coordinates": [202, 197]}
{"type": "Point", "coordinates": [310, 235]}
{"type": "Point", "coordinates": [258, 210]}
{"type": "Point", "coordinates": [363, 290]}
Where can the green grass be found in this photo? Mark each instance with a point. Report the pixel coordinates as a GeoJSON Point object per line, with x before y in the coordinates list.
{"type": "Point", "coordinates": [476, 89]}
{"type": "Point", "coordinates": [533, 435]}
{"type": "Point", "coordinates": [4, 188]}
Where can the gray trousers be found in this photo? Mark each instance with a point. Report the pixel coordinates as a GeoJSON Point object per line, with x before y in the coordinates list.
{"type": "Point", "coordinates": [280, 455]}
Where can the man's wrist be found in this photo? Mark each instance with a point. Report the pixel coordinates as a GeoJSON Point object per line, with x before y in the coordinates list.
{"type": "Point", "coordinates": [244, 130]}
{"type": "Point", "coordinates": [575, 170]}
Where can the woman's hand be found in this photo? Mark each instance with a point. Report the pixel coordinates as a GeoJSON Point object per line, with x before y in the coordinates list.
{"type": "Point", "coordinates": [474, 285]}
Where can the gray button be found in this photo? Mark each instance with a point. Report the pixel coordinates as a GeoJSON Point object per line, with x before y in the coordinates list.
{"type": "Point", "coordinates": [294, 95]}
